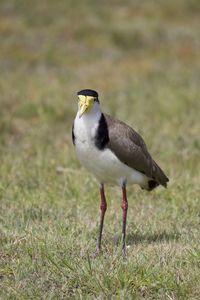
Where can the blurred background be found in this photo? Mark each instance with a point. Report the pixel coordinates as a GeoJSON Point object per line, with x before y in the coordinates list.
{"type": "Point", "coordinates": [143, 57]}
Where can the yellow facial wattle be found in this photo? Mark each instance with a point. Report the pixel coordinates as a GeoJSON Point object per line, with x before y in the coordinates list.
{"type": "Point", "coordinates": [85, 104]}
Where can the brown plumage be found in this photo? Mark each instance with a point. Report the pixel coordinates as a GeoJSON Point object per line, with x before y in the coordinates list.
{"type": "Point", "coordinates": [114, 153]}
{"type": "Point", "coordinates": [131, 149]}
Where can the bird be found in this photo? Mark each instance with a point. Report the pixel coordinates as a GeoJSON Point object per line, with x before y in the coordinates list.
{"type": "Point", "coordinates": [114, 153]}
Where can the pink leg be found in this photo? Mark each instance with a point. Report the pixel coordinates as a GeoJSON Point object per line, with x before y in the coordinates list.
{"type": "Point", "coordinates": [125, 209]}
{"type": "Point", "coordinates": [103, 208]}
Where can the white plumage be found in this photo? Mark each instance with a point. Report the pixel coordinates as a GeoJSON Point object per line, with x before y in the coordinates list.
{"type": "Point", "coordinates": [104, 164]}
{"type": "Point", "coordinates": [114, 153]}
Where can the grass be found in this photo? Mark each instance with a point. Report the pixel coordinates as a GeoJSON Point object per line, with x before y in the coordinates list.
{"type": "Point", "coordinates": [143, 58]}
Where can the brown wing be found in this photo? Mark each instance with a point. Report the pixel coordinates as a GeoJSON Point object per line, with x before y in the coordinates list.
{"type": "Point", "coordinates": [131, 149]}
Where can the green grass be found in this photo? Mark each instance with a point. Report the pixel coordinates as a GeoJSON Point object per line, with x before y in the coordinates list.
{"type": "Point", "coordinates": [143, 58]}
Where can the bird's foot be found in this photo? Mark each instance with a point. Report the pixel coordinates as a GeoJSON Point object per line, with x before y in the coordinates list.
{"type": "Point", "coordinates": [97, 252]}
{"type": "Point", "coordinates": [124, 252]}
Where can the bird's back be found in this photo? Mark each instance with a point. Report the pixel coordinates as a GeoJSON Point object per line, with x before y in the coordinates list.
{"type": "Point", "coordinates": [131, 149]}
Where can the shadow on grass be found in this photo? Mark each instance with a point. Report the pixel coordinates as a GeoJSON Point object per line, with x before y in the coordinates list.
{"type": "Point", "coordinates": [158, 237]}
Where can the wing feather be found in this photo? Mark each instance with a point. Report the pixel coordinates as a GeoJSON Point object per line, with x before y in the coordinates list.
{"type": "Point", "coordinates": [131, 149]}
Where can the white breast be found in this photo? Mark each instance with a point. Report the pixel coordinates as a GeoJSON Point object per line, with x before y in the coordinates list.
{"type": "Point", "coordinates": [105, 166]}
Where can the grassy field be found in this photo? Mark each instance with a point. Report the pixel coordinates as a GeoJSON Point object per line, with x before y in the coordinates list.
{"type": "Point", "coordinates": [143, 57]}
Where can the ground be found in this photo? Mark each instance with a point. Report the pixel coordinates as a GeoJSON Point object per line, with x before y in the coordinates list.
{"type": "Point", "coordinates": [143, 57]}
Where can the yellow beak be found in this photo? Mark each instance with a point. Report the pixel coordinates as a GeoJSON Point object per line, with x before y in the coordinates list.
{"type": "Point", "coordinates": [85, 104]}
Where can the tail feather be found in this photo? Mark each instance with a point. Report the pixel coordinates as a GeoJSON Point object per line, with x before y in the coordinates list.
{"type": "Point", "coordinates": [159, 176]}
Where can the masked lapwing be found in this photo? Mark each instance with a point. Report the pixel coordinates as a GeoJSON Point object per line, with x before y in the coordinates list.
{"type": "Point", "coordinates": [113, 152]}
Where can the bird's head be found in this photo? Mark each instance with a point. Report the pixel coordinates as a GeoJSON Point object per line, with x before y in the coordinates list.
{"type": "Point", "coordinates": [86, 101]}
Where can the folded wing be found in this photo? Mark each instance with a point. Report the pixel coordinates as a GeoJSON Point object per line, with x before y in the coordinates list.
{"type": "Point", "coordinates": [131, 149]}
